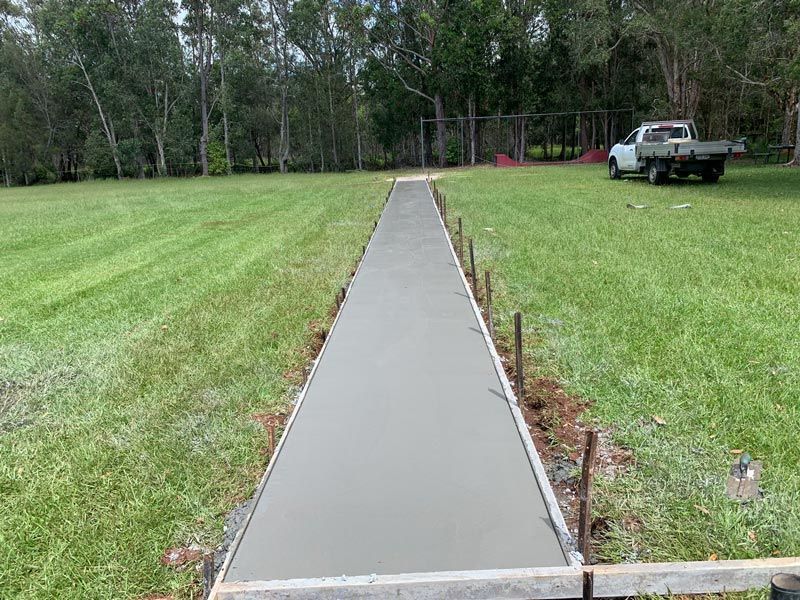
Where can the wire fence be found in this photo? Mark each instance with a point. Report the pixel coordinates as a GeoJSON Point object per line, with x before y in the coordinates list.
{"type": "Point", "coordinates": [547, 136]}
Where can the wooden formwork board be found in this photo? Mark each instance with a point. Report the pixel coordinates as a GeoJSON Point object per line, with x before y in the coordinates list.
{"type": "Point", "coordinates": [554, 583]}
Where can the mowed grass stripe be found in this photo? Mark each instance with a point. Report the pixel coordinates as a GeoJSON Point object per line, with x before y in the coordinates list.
{"type": "Point", "coordinates": [690, 315]}
{"type": "Point", "coordinates": [125, 438]}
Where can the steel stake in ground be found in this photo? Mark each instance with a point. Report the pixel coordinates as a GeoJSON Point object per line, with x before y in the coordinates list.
{"type": "Point", "coordinates": [271, 437]}
{"type": "Point", "coordinates": [472, 272]}
{"type": "Point", "coordinates": [588, 584]}
{"type": "Point", "coordinates": [518, 352]}
{"type": "Point", "coordinates": [208, 574]}
{"type": "Point", "coordinates": [489, 320]}
{"type": "Point", "coordinates": [587, 479]}
{"type": "Point", "coordinates": [460, 242]}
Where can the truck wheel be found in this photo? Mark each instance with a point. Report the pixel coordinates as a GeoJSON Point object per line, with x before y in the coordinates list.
{"type": "Point", "coordinates": [613, 169]}
{"type": "Point", "coordinates": [710, 177]}
{"type": "Point", "coordinates": [654, 176]}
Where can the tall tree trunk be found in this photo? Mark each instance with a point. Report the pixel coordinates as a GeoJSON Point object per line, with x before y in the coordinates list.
{"type": "Point", "coordinates": [520, 143]}
{"type": "Point", "coordinates": [162, 161]}
{"type": "Point", "coordinates": [204, 64]}
{"type": "Point", "coordinates": [441, 131]}
{"type": "Point", "coordinates": [283, 156]}
{"type": "Point", "coordinates": [428, 144]}
{"type": "Point", "coordinates": [105, 119]}
{"type": "Point", "coordinates": [683, 90]}
{"type": "Point", "coordinates": [6, 178]}
{"type": "Point", "coordinates": [789, 106]}
{"type": "Point", "coordinates": [257, 147]}
{"type": "Point", "coordinates": [359, 163]}
{"type": "Point", "coordinates": [332, 124]}
{"type": "Point", "coordinates": [225, 128]}
{"type": "Point", "coordinates": [473, 133]}
{"type": "Point", "coordinates": [572, 148]}
{"type": "Point", "coordinates": [283, 73]}
{"type": "Point", "coordinates": [203, 147]}
{"type": "Point", "coordinates": [796, 161]}
{"type": "Point", "coordinates": [319, 142]}
{"type": "Point", "coordinates": [584, 135]}
{"type": "Point", "coordinates": [311, 145]}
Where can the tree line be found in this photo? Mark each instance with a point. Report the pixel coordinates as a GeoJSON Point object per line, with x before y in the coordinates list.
{"type": "Point", "coordinates": [137, 88]}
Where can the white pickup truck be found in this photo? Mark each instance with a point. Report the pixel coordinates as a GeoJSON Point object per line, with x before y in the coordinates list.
{"type": "Point", "coordinates": [658, 148]}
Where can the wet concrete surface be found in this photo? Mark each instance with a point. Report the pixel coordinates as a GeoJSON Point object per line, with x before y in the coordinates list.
{"type": "Point", "coordinates": [404, 456]}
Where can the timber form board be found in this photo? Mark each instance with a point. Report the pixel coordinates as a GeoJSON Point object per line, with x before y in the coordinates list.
{"type": "Point", "coordinates": [620, 580]}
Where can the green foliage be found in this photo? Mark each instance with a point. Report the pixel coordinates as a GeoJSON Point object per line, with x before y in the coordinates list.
{"type": "Point", "coordinates": [98, 157]}
{"type": "Point", "coordinates": [217, 162]}
{"type": "Point", "coordinates": [453, 151]}
{"type": "Point", "coordinates": [360, 75]}
{"type": "Point", "coordinates": [129, 150]}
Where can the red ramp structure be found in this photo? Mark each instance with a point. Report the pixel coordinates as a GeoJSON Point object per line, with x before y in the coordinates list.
{"type": "Point", "coordinates": [591, 157]}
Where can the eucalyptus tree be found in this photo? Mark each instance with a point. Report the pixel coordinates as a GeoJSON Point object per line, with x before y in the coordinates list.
{"type": "Point", "coordinates": [406, 41]}
{"type": "Point", "coordinates": [680, 34]}
{"type": "Point", "coordinates": [89, 36]}
{"type": "Point", "coordinates": [158, 78]}
{"type": "Point", "coordinates": [767, 57]}
{"type": "Point", "coordinates": [314, 31]}
{"type": "Point", "coordinates": [283, 58]}
{"type": "Point", "coordinates": [198, 28]}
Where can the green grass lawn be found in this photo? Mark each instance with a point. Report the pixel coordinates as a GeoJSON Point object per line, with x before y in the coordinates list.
{"type": "Point", "coordinates": [690, 315]}
{"type": "Point", "coordinates": [141, 325]}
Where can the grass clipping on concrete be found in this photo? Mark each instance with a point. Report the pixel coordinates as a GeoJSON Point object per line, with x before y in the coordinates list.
{"type": "Point", "coordinates": [679, 326]}
{"type": "Point", "coordinates": [142, 324]}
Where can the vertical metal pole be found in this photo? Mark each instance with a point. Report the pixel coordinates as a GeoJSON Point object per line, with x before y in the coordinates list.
{"type": "Point", "coordinates": [444, 211]}
{"type": "Point", "coordinates": [489, 320]}
{"type": "Point", "coordinates": [460, 243]}
{"type": "Point", "coordinates": [323, 335]}
{"type": "Point", "coordinates": [344, 293]}
{"type": "Point", "coordinates": [208, 573]}
{"type": "Point", "coordinates": [585, 494]}
{"type": "Point", "coordinates": [588, 584]}
{"type": "Point", "coordinates": [518, 353]}
{"type": "Point", "coordinates": [461, 140]}
{"type": "Point", "coordinates": [271, 433]}
{"type": "Point", "coordinates": [422, 142]}
{"type": "Point", "coordinates": [473, 274]}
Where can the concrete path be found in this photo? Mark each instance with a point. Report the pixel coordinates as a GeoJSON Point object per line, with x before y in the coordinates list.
{"type": "Point", "coordinates": [404, 455]}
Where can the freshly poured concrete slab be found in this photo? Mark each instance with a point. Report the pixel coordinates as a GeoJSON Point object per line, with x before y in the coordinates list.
{"type": "Point", "coordinates": [404, 456]}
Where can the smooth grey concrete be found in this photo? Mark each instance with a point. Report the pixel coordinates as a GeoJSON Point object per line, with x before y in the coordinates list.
{"type": "Point", "coordinates": [404, 456]}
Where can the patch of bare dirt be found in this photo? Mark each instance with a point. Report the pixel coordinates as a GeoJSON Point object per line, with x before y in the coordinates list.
{"type": "Point", "coordinates": [267, 420]}
{"type": "Point", "coordinates": [182, 557]}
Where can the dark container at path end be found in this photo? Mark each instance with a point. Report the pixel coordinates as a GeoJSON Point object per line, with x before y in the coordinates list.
{"type": "Point", "coordinates": [785, 586]}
